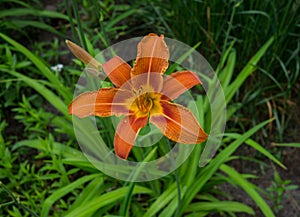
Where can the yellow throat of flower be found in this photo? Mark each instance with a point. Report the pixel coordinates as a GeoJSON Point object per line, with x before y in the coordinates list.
{"type": "Point", "coordinates": [146, 104]}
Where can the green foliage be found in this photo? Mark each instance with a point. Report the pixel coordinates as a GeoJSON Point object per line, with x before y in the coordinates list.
{"type": "Point", "coordinates": [249, 25]}
{"type": "Point", "coordinates": [13, 13]}
{"type": "Point", "coordinates": [42, 170]}
{"type": "Point", "coordinates": [278, 189]}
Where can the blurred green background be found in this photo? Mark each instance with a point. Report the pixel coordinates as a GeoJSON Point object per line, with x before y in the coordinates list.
{"type": "Point", "coordinates": [253, 47]}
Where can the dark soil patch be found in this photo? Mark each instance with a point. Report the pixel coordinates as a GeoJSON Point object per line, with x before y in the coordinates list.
{"type": "Point", "coordinates": [291, 201]}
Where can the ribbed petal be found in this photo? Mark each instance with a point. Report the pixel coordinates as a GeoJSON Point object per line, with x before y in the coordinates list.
{"type": "Point", "coordinates": [126, 134]}
{"type": "Point", "coordinates": [177, 83]}
{"type": "Point", "coordinates": [152, 56]}
{"type": "Point", "coordinates": [101, 103]}
{"type": "Point", "coordinates": [117, 70]}
{"type": "Point", "coordinates": [178, 124]}
{"type": "Point", "coordinates": [145, 82]}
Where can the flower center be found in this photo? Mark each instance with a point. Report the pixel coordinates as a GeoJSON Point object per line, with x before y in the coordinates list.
{"type": "Point", "coordinates": [144, 102]}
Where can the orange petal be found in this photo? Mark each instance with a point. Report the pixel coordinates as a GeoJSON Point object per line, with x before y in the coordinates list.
{"type": "Point", "coordinates": [147, 82]}
{"type": "Point", "coordinates": [100, 103]}
{"type": "Point", "coordinates": [177, 83]}
{"type": "Point", "coordinates": [178, 124]}
{"type": "Point", "coordinates": [152, 55]}
{"type": "Point", "coordinates": [84, 56]}
{"type": "Point", "coordinates": [117, 70]}
{"type": "Point", "coordinates": [126, 134]}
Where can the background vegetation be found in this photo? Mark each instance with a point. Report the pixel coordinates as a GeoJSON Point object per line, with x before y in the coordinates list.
{"type": "Point", "coordinates": [254, 48]}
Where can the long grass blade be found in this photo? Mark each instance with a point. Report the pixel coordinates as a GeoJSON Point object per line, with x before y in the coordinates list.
{"type": "Point", "coordinates": [45, 92]}
{"type": "Point", "coordinates": [248, 187]}
{"type": "Point", "coordinates": [220, 206]}
{"type": "Point", "coordinates": [292, 144]}
{"type": "Point", "coordinates": [64, 191]}
{"type": "Point", "coordinates": [215, 164]}
{"type": "Point", "coordinates": [42, 67]}
{"type": "Point", "coordinates": [246, 71]}
{"type": "Point", "coordinates": [33, 12]}
{"type": "Point", "coordinates": [104, 200]}
{"type": "Point", "coordinates": [259, 148]}
{"type": "Point", "coordinates": [162, 201]}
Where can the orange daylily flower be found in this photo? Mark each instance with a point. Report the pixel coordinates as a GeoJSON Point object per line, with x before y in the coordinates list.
{"type": "Point", "coordinates": [141, 94]}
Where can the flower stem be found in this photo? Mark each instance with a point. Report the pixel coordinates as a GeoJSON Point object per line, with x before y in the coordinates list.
{"type": "Point", "coordinates": [176, 178]}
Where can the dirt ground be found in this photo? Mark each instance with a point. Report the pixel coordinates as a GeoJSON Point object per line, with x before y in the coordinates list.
{"type": "Point", "coordinates": [291, 201]}
{"type": "Point", "coordinates": [290, 157]}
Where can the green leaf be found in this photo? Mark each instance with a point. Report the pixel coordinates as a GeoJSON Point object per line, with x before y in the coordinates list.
{"type": "Point", "coordinates": [45, 92]}
{"type": "Point", "coordinates": [248, 187]}
{"type": "Point", "coordinates": [181, 59]}
{"type": "Point", "coordinates": [57, 148]}
{"type": "Point", "coordinates": [207, 172]}
{"type": "Point", "coordinates": [173, 205]}
{"type": "Point", "coordinates": [90, 191]}
{"type": "Point", "coordinates": [226, 74]}
{"type": "Point", "coordinates": [119, 18]}
{"type": "Point", "coordinates": [225, 56]}
{"type": "Point", "coordinates": [294, 145]}
{"type": "Point", "coordinates": [64, 191]}
{"type": "Point", "coordinates": [23, 23]}
{"type": "Point", "coordinates": [104, 200]}
{"type": "Point", "coordinates": [246, 71]}
{"type": "Point", "coordinates": [57, 85]}
{"type": "Point", "coordinates": [258, 147]}
{"type": "Point", "coordinates": [162, 201]}
{"type": "Point", "coordinates": [34, 12]}
{"type": "Point", "coordinates": [220, 206]}
{"type": "Point", "coordinates": [125, 205]}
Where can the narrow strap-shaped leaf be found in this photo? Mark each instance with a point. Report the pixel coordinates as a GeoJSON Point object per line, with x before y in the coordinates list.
{"type": "Point", "coordinates": [248, 187]}
{"type": "Point", "coordinates": [259, 148]}
{"type": "Point", "coordinates": [57, 85]}
{"type": "Point", "coordinates": [246, 71]}
{"type": "Point", "coordinates": [221, 206]}
{"type": "Point", "coordinates": [105, 199]}
{"type": "Point", "coordinates": [162, 201]}
{"type": "Point", "coordinates": [64, 191]}
{"type": "Point", "coordinates": [215, 164]}
{"type": "Point", "coordinates": [41, 89]}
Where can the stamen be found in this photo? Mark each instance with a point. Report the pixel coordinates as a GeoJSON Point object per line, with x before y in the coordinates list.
{"type": "Point", "coordinates": [144, 102]}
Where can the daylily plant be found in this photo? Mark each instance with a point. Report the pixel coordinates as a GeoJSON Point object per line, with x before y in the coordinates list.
{"type": "Point", "coordinates": [142, 93]}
